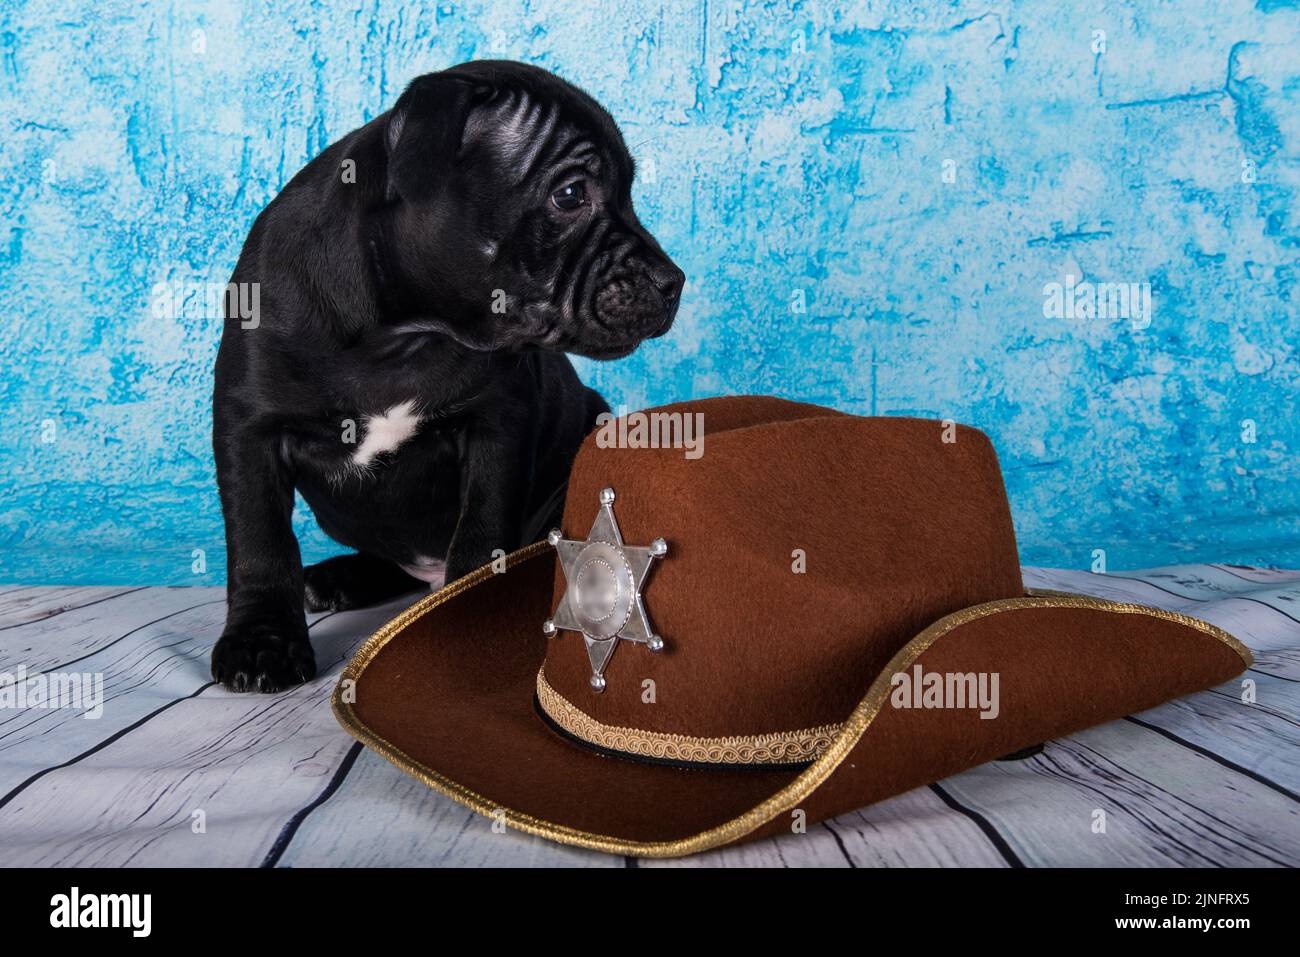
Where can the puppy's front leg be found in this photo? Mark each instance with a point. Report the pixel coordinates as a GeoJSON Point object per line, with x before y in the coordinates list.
{"type": "Point", "coordinates": [264, 646]}
{"type": "Point", "coordinates": [494, 477]}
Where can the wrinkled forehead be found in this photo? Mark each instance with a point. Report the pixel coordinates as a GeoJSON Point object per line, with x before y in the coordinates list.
{"type": "Point", "coordinates": [534, 137]}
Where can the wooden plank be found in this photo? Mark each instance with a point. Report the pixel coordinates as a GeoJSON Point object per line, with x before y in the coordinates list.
{"type": "Point", "coordinates": [916, 829]}
{"type": "Point", "coordinates": [1261, 575]}
{"type": "Point", "coordinates": [1281, 600]}
{"type": "Point", "coordinates": [382, 817]}
{"type": "Point", "coordinates": [255, 763]}
{"type": "Point", "coordinates": [60, 639]}
{"type": "Point", "coordinates": [1210, 582]}
{"type": "Point", "coordinates": [143, 670]}
{"type": "Point", "coordinates": [1252, 612]}
{"type": "Point", "coordinates": [1260, 738]}
{"type": "Point", "coordinates": [1111, 587]}
{"type": "Point", "coordinates": [1274, 641]}
{"type": "Point", "coordinates": [248, 762]}
{"type": "Point", "coordinates": [1165, 805]}
{"type": "Point", "coordinates": [1180, 587]}
{"type": "Point", "coordinates": [20, 604]}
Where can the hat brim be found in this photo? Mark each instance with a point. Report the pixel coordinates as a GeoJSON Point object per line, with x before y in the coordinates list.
{"type": "Point", "coordinates": [445, 692]}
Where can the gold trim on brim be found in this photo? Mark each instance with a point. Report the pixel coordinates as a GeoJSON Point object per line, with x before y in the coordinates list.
{"type": "Point", "coordinates": [773, 749]}
{"type": "Point", "coordinates": [784, 800]}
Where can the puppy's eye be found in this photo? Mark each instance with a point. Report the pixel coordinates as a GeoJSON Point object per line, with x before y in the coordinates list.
{"type": "Point", "coordinates": [571, 197]}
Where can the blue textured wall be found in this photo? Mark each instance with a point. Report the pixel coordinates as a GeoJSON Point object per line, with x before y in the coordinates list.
{"type": "Point", "coordinates": [797, 150]}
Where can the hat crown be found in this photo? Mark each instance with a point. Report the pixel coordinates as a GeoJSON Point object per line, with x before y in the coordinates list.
{"type": "Point", "coordinates": [804, 548]}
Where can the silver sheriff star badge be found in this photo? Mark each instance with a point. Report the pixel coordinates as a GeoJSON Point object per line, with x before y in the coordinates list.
{"type": "Point", "coordinates": [603, 600]}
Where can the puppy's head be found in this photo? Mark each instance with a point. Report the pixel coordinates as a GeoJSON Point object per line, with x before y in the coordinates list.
{"type": "Point", "coordinates": [510, 220]}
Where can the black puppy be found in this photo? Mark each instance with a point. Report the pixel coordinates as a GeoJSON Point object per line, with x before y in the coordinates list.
{"type": "Point", "coordinates": [418, 284]}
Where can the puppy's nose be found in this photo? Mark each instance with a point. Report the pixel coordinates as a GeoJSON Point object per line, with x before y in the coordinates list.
{"type": "Point", "coordinates": [668, 279]}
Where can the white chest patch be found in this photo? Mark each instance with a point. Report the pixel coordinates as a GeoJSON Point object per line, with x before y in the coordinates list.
{"type": "Point", "coordinates": [431, 570]}
{"type": "Point", "coordinates": [384, 433]}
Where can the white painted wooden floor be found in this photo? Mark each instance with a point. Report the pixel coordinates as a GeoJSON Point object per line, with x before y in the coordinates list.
{"type": "Point", "coordinates": [1206, 780]}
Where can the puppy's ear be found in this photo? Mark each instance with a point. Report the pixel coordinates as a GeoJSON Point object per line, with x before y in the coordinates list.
{"type": "Point", "coordinates": [424, 131]}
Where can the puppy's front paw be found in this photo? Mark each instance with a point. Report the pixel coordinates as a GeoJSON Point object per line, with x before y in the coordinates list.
{"type": "Point", "coordinates": [354, 581]}
{"type": "Point", "coordinates": [326, 588]}
{"type": "Point", "coordinates": [266, 658]}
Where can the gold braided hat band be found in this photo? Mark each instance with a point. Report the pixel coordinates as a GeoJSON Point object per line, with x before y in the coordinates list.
{"type": "Point", "coordinates": [783, 748]}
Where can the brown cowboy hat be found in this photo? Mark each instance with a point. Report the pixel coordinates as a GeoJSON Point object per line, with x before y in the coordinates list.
{"type": "Point", "coordinates": [834, 615]}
